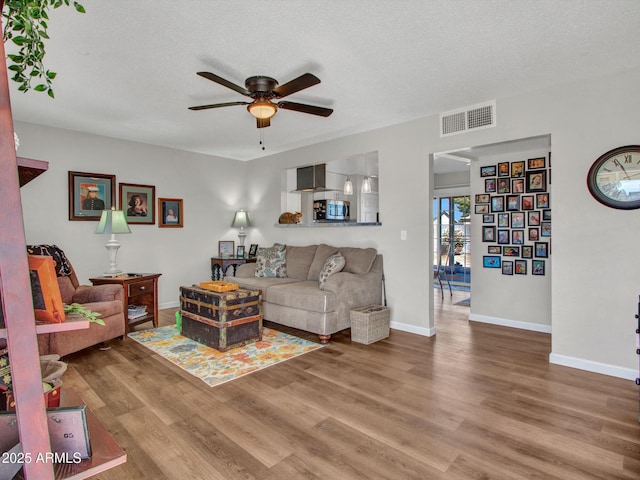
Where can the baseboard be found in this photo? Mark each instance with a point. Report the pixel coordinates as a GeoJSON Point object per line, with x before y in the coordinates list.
{"type": "Point", "coordinates": [505, 322]}
{"type": "Point", "coordinates": [591, 366]}
{"type": "Point", "coordinates": [405, 327]}
{"type": "Point", "coordinates": [163, 306]}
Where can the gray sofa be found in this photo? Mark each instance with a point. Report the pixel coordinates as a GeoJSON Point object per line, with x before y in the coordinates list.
{"type": "Point", "coordinates": [297, 301]}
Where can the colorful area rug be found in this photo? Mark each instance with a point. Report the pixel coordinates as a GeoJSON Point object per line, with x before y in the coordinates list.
{"type": "Point", "coordinates": [214, 367]}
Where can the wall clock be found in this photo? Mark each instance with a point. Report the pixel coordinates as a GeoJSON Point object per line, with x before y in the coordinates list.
{"type": "Point", "coordinates": [614, 178]}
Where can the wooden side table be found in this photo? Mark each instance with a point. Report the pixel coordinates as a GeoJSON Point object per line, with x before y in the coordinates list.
{"type": "Point", "coordinates": [219, 265]}
{"type": "Point", "coordinates": [139, 289]}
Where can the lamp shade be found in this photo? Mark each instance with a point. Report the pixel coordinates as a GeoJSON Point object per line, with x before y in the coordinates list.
{"type": "Point", "coordinates": [262, 109]}
{"type": "Point", "coordinates": [241, 219]}
{"type": "Point", "coordinates": [348, 187]}
{"type": "Point", "coordinates": [366, 185]}
{"type": "Point", "coordinates": [113, 221]}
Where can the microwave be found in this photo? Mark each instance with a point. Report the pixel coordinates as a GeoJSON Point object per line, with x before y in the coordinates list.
{"type": "Point", "coordinates": [333, 210]}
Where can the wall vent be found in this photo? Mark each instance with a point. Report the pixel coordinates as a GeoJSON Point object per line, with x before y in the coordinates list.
{"type": "Point", "coordinates": [465, 119]}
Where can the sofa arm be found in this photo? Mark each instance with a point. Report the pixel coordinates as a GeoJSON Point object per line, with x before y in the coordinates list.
{"type": "Point", "coordinates": [246, 270]}
{"type": "Point", "coordinates": [98, 293]}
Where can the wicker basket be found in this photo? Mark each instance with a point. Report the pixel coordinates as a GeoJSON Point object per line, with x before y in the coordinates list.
{"type": "Point", "coordinates": [370, 324]}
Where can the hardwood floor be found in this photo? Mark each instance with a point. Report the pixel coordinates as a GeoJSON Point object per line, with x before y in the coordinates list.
{"type": "Point", "coordinates": [473, 402]}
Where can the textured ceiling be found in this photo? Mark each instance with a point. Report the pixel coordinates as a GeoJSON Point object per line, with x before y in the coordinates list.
{"type": "Point", "coordinates": [127, 69]}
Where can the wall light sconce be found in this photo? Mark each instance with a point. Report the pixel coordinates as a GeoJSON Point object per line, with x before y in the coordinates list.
{"type": "Point", "coordinates": [241, 220]}
{"type": "Point", "coordinates": [113, 222]}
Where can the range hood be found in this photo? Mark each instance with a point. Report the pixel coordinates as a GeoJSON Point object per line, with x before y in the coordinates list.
{"type": "Point", "coordinates": [312, 178]}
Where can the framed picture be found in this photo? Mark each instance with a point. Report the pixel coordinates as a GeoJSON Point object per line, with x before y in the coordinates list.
{"type": "Point", "coordinates": [240, 251]}
{"type": "Point", "coordinates": [536, 163]}
{"type": "Point", "coordinates": [482, 208]}
{"type": "Point", "coordinates": [534, 234]}
{"type": "Point", "coordinates": [47, 301]}
{"type": "Point", "coordinates": [537, 267]}
{"type": "Point", "coordinates": [89, 194]}
{"type": "Point", "coordinates": [527, 251]}
{"type": "Point", "coordinates": [488, 171]}
{"type": "Point", "coordinates": [542, 200]}
{"type": "Point", "coordinates": [503, 237]}
{"type": "Point", "coordinates": [138, 203]}
{"type": "Point", "coordinates": [495, 249]}
{"type": "Point", "coordinates": [489, 185]}
{"type": "Point", "coordinates": [503, 220]}
{"type": "Point", "coordinates": [517, 219]}
{"type": "Point", "coordinates": [482, 198]}
{"type": "Point", "coordinates": [517, 169]}
{"type": "Point", "coordinates": [536, 181]}
{"type": "Point", "coordinates": [225, 248]}
{"type": "Point", "coordinates": [491, 261]}
{"type": "Point", "coordinates": [511, 251]}
{"type": "Point", "coordinates": [488, 218]}
{"type": "Point", "coordinates": [521, 267]}
{"type": "Point", "coordinates": [517, 237]}
{"type": "Point", "coordinates": [170, 213]}
{"type": "Point", "coordinates": [497, 204]}
{"type": "Point", "coordinates": [517, 185]}
{"type": "Point", "coordinates": [545, 229]}
{"type": "Point", "coordinates": [527, 202]}
{"type": "Point", "coordinates": [513, 202]}
{"type": "Point", "coordinates": [253, 250]}
{"type": "Point", "coordinates": [546, 215]}
{"type": "Point", "coordinates": [507, 268]}
{"type": "Point", "coordinates": [533, 218]}
{"type": "Point", "coordinates": [504, 186]}
{"type": "Point", "coordinates": [503, 169]}
{"type": "Point", "coordinates": [541, 249]}
{"type": "Point", "coordinates": [488, 234]}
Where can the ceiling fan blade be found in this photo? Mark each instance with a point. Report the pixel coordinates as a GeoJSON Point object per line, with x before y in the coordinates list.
{"type": "Point", "coordinates": [263, 122]}
{"type": "Point", "coordinates": [225, 83]}
{"type": "Point", "coordinates": [303, 81]}
{"type": "Point", "coordinates": [301, 107]}
{"type": "Point", "coordinates": [218, 105]}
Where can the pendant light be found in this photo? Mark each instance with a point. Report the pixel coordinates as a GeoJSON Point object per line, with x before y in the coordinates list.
{"type": "Point", "coordinates": [366, 185]}
{"type": "Point", "coordinates": [348, 187]}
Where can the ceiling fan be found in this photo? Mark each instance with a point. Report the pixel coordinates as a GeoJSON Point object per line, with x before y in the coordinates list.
{"type": "Point", "coordinates": [263, 90]}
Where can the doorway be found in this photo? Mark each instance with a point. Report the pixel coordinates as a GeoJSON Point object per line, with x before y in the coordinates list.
{"type": "Point", "coordinates": [452, 240]}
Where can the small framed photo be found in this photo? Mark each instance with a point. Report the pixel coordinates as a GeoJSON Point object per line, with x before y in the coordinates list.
{"type": "Point", "coordinates": [495, 249]}
{"type": "Point", "coordinates": [497, 204]}
{"type": "Point", "coordinates": [482, 198]}
{"type": "Point", "coordinates": [491, 261]}
{"type": "Point", "coordinates": [503, 169]}
{"type": "Point", "coordinates": [536, 163]}
{"type": "Point", "coordinates": [253, 250]}
{"type": "Point", "coordinates": [138, 203]}
{"type": "Point", "coordinates": [511, 251]}
{"type": "Point", "coordinates": [517, 185]}
{"type": "Point", "coordinates": [517, 219]}
{"type": "Point", "coordinates": [507, 267]}
{"type": "Point", "coordinates": [503, 237]}
{"type": "Point", "coordinates": [527, 251]}
{"type": "Point", "coordinates": [482, 209]}
{"type": "Point", "coordinates": [504, 186]}
{"type": "Point", "coordinates": [527, 202]}
{"type": "Point", "coordinates": [489, 185]}
{"type": "Point", "coordinates": [534, 234]}
{"type": "Point", "coordinates": [521, 267]}
{"type": "Point", "coordinates": [89, 194]}
{"type": "Point", "coordinates": [545, 229]}
{"type": "Point", "coordinates": [546, 215]}
{"type": "Point", "coordinates": [517, 169]}
{"type": "Point", "coordinates": [517, 237]}
{"type": "Point", "coordinates": [513, 202]}
{"type": "Point", "coordinates": [170, 213]}
{"type": "Point", "coordinates": [541, 249]}
{"type": "Point", "coordinates": [537, 267]}
{"type": "Point", "coordinates": [240, 251]}
{"type": "Point", "coordinates": [503, 220]}
{"type": "Point", "coordinates": [542, 200]}
{"type": "Point", "coordinates": [488, 218]}
{"type": "Point", "coordinates": [225, 248]}
{"type": "Point", "coordinates": [536, 181]}
{"type": "Point", "coordinates": [488, 171]}
{"type": "Point", "coordinates": [488, 234]}
{"type": "Point", "coordinates": [533, 218]}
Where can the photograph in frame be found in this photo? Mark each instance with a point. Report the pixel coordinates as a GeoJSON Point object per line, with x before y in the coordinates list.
{"type": "Point", "coordinates": [170, 213]}
{"type": "Point", "coordinates": [537, 267]}
{"type": "Point", "coordinates": [521, 267]}
{"type": "Point", "coordinates": [491, 261]}
{"type": "Point", "coordinates": [536, 163]}
{"type": "Point", "coordinates": [494, 249]}
{"type": "Point", "coordinates": [89, 194]}
{"type": "Point", "coordinates": [138, 203]}
{"type": "Point", "coordinates": [507, 267]}
{"type": "Point", "coordinates": [226, 248]}
{"type": "Point", "coordinates": [517, 169]}
{"type": "Point", "coordinates": [240, 251]}
{"type": "Point", "coordinates": [488, 171]}
{"type": "Point", "coordinates": [253, 250]}
{"type": "Point", "coordinates": [536, 181]}
{"type": "Point", "coordinates": [527, 251]}
{"type": "Point", "coordinates": [503, 169]}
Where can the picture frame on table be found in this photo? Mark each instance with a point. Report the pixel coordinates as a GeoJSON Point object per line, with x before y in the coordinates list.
{"type": "Point", "coordinates": [536, 181]}
{"type": "Point", "coordinates": [170, 213]}
{"type": "Point", "coordinates": [138, 203]}
{"type": "Point", "coordinates": [226, 248]}
{"type": "Point", "coordinates": [253, 250]}
{"type": "Point", "coordinates": [240, 251]}
{"type": "Point", "coordinates": [89, 194]}
{"type": "Point", "coordinates": [488, 171]}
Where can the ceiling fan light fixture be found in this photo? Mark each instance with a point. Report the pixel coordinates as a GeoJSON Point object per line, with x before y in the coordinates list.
{"type": "Point", "coordinates": [262, 109]}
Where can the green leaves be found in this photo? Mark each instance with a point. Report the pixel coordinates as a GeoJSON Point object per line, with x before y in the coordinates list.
{"type": "Point", "coordinates": [25, 24]}
{"type": "Point", "coordinates": [78, 309]}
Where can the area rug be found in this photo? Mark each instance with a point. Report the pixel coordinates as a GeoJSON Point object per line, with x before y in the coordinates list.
{"type": "Point", "coordinates": [465, 303]}
{"type": "Point", "coordinates": [214, 367]}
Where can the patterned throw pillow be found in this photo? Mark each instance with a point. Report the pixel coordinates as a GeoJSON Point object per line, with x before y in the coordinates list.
{"type": "Point", "coordinates": [334, 264]}
{"type": "Point", "coordinates": [272, 262]}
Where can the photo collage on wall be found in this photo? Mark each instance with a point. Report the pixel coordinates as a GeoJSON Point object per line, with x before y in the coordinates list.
{"type": "Point", "coordinates": [516, 216]}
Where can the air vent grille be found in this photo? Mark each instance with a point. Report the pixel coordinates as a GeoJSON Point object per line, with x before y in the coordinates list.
{"type": "Point", "coordinates": [468, 118]}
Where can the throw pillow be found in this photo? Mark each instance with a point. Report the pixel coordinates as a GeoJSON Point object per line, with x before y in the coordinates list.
{"type": "Point", "coordinates": [272, 262]}
{"type": "Point", "coordinates": [334, 264]}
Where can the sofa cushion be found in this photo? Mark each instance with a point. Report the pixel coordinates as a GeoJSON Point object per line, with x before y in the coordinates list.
{"type": "Point", "coordinates": [358, 260]}
{"type": "Point", "coordinates": [299, 261]}
{"type": "Point", "coordinates": [303, 295]}
{"type": "Point", "coordinates": [272, 262]}
{"type": "Point", "coordinates": [322, 253]}
{"type": "Point", "coordinates": [333, 264]}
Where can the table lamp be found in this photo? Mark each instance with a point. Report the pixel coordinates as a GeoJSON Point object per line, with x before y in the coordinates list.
{"type": "Point", "coordinates": [241, 220]}
{"type": "Point", "coordinates": [113, 222]}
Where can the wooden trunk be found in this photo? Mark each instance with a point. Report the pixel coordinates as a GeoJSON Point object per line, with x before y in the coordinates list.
{"type": "Point", "coordinates": [221, 320]}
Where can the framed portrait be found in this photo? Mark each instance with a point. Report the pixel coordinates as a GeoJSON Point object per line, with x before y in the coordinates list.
{"type": "Point", "coordinates": [138, 203]}
{"type": "Point", "coordinates": [517, 219]}
{"type": "Point", "coordinates": [504, 186]}
{"type": "Point", "coordinates": [534, 234]}
{"type": "Point", "coordinates": [482, 208]}
{"type": "Point", "coordinates": [517, 169]}
{"type": "Point", "coordinates": [507, 267]}
{"type": "Point", "coordinates": [542, 200]}
{"type": "Point", "coordinates": [503, 220]}
{"type": "Point", "coordinates": [89, 194]}
{"type": "Point", "coordinates": [537, 267]}
{"type": "Point", "coordinates": [170, 213]}
{"type": "Point", "coordinates": [517, 185]}
{"type": "Point", "coordinates": [503, 236]}
{"type": "Point", "coordinates": [511, 251]}
{"type": "Point", "coordinates": [541, 249]}
{"type": "Point", "coordinates": [253, 250]}
{"type": "Point", "coordinates": [517, 237]}
{"type": "Point", "coordinates": [488, 218]}
{"type": "Point", "coordinates": [513, 202]}
{"type": "Point", "coordinates": [503, 169]}
{"type": "Point", "coordinates": [495, 249]}
{"type": "Point", "coordinates": [534, 218]}
{"type": "Point", "coordinates": [497, 204]}
{"type": "Point", "coordinates": [225, 248]}
{"type": "Point", "coordinates": [536, 181]}
{"type": "Point", "coordinates": [491, 261]}
{"type": "Point", "coordinates": [527, 202]}
{"type": "Point", "coordinates": [489, 185]}
{"type": "Point", "coordinates": [488, 234]}
{"type": "Point", "coordinates": [482, 198]}
{"type": "Point", "coordinates": [545, 229]}
{"type": "Point", "coordinates": [536, 163]}
{"type": "Point", "coordinates": [488, 171]}
{"type": "Point", "coordinates": [527, 251]}
{"type": "Point", "coordinates": [240, 251]}
{"type": "Point", "coordinates": [521, 267]}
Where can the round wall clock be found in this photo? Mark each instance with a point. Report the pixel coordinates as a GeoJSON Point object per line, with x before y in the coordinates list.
{"type": "Point", "coordinates": [614, 178]}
